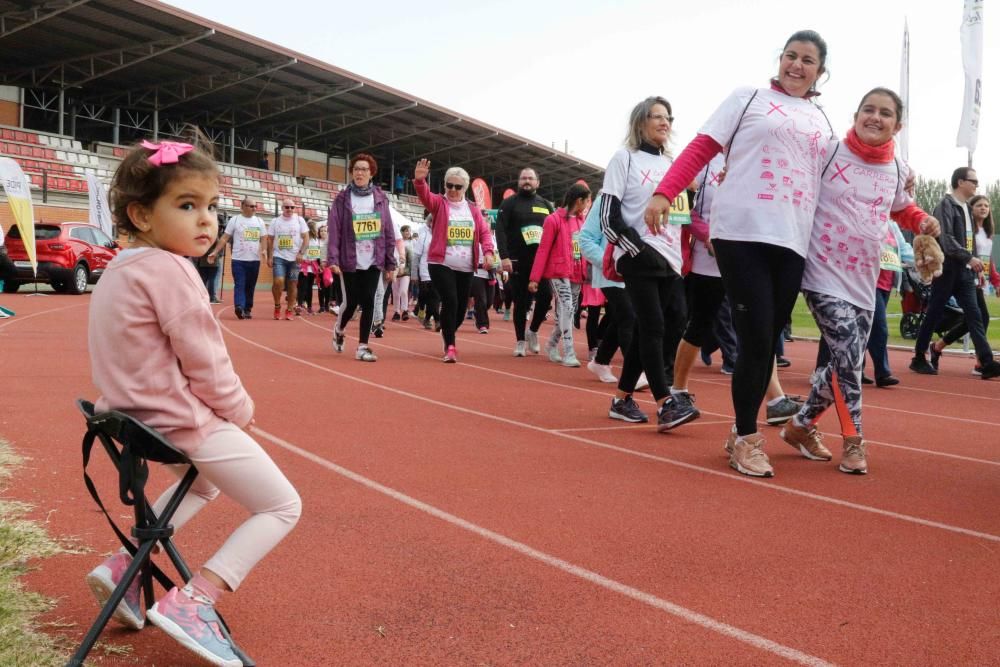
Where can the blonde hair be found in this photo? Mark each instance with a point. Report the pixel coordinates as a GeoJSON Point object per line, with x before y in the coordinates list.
{"type": "Point", "coordinates": [637, 120]}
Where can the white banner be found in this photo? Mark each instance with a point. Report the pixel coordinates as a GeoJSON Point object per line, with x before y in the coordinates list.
{"type": "Point", "coordinates": [18, 190]}
{"type": "Point", "coordinates": [100, 211]}
{"type": "Point", "coordinates": [903, 138]}
{"type": "Point", "coordinates": [972, 60]}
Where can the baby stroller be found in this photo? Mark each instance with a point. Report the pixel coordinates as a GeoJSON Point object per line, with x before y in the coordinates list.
{"type": "Point", "coordinates": [915, 297]}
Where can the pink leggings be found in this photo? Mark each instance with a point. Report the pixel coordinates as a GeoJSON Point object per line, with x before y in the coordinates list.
{"type": "Point", "coordinates": [232, 462]}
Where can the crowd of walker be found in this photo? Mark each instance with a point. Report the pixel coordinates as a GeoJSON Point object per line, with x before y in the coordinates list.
{"type": "Point", "coordinates": [673, 258]}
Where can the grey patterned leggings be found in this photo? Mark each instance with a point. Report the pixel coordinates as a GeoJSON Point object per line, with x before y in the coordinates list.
{"type": "Point", "coordinates": [566, 298]}
{"type": "Point", "coordinates": [845, 328]}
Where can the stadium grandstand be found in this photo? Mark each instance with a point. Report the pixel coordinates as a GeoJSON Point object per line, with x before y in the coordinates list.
{"type": "Point", "coordinates": [82, 79]}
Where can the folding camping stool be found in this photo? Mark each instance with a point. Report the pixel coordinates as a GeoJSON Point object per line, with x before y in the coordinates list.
{"type": "Point", "coordinates": [131, 445]}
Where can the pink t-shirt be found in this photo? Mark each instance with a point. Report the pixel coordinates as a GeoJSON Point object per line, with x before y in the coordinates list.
{"type": "Point", "coordinates": [156, 349]}
{"type": "Point", "coordinates": [852, 220]}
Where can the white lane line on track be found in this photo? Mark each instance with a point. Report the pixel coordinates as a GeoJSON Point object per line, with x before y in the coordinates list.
{"type": "Point", "coordinates": [589, 576]}
{"type": "Point", "coordinates": [732, 477]}
{"type": "Point", "coordinates": [728, 418]}
{"type": "Point", "coordinates": [633, 427]}
{"type": "Point", "coordinates": [17, 319]}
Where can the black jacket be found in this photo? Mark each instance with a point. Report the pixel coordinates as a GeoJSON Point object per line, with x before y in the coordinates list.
{"type": "Point", "coordinates": [953, 234]}
{"type": "Point", "coordinates": [516, 213]}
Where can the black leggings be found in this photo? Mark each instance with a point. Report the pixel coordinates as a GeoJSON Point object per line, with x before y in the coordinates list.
{"type": "Point", "coordinates": [305, 296]}
{"type": "Point", "coordinates": [359, 291]}
{"type": "Point", "coordinates": [660, 310]}
{"type": "Point", "coordinates": [596, 326]}
{"type": "Point", "coordinates": [453, 288]}
{"type": "Point", "coordinates": [621, 324]}
{"type": "Point", "coordinates": [482, 295]}
{"type": "Point", "coordinates": [704, 296]}
{"type": "Point", "coordinates": [762, 282]}
{"type": "Point", "coordinates": [522, 300]}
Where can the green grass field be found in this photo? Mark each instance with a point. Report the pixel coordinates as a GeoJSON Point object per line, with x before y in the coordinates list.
{"type": "Point", "coordinates": [804, 325]}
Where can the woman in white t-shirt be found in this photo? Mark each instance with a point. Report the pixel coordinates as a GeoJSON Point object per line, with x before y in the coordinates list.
{"type": "Point", "coordinates": [776, 141]}
{"type": "Point", "coordinates": [458, 236]}
{"type": "Point", "coordinates": [648, 260]}
{"type": "Point", "coordinates": [862, 184]}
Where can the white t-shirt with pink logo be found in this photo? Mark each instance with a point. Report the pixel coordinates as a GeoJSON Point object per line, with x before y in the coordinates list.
{"type": "Point", "coordinates": [773, 167]}
{"type": "Point", "coordinates": [852, 220]}
{"type": "Point", "coordinates": [632, 176]}
{"type": "Point", "coordinates": [287, 233]}
{"type": "Point", "coordinates": [461, 232]}
{"type": "Point", "coordinates": [703, 263]}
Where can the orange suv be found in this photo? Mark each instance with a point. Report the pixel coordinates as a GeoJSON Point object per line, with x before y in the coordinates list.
{"type": "Point", "coordinates": [71, 255]}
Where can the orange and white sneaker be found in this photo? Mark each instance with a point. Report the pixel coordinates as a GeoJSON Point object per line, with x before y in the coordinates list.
{"type": "Point", "coordinates": [748, 456]}
{"type": "Point", "coordinates": [854, 461]}
{"type": "Point", "coordinates": [807, 440]}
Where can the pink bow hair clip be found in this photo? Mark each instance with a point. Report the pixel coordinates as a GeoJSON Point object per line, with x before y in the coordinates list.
{"type": "Point", "coordinates": [167, 152]}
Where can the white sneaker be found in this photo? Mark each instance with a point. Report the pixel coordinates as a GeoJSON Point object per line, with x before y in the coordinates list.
{"type": "Point", "coordinates": [602, 372]}
{"type": "Point", "coordinates": [532, 339]}
{"type": "Point", "coordinates": [642, 383]}
{"type": "Point", "coordinates": [570, 360]}
{"type": "Point", "coordinates": [365, 354]}
{"type": "Point", "coordinates": [553, 352]}
{"type": "Point", "coordinates": [520, 349]}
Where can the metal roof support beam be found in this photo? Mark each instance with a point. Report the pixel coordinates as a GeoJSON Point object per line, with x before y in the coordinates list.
{"type": "Point", "coordinates": [410, 135]}
{"type": "Point", "coordinates": [293, 102]}
{"type": "Point", "coordinates": [12, 22]}
{"type": "Point", "coordinates": [367, 119]}
{"type": "Point", "coordinates": [98, 65]}
{"type": "Point", "coordinates": [483, 156]}
{"type": "Point", "coordinates": [449, 147]}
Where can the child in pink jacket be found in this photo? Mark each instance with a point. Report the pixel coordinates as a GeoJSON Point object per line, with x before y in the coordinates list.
{"type": "Point", "coordinates": [559, 260]}
{"type": "Point", "coordinates": [157, 354]}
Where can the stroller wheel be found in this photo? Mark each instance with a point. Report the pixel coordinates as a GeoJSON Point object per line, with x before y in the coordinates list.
{"type": "Point", "coordinates": [909, 325]}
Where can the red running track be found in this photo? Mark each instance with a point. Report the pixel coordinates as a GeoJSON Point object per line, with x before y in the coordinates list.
{"type": "Point", "coordinates": [490, 513]}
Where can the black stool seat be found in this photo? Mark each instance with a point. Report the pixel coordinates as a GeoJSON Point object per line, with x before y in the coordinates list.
{"type": "Point", "coordinates": [131, 445]}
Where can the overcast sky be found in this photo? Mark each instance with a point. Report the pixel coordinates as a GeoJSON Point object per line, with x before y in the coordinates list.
{"type": "Point", "coordinates": [571, 71]}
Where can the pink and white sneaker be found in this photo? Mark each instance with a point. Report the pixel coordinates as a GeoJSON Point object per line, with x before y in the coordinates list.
{"type": "Point", "coordinates": [104, 579]}
{"type": "Point", "coordinates": [450, 355]}
{"type": "Point", "coordinates": [192, 621]}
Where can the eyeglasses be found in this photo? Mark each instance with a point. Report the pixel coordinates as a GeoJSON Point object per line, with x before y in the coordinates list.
{"type": "Point", "coordinates": [454, 186]}
{"type": "Point", "coordinates": [660, 116]}
{"type": "Point", "coordinates": [289, 208]}
{"type": "Point", "coordinates": [971, 180]}
{"type": "Point", "coordinates": [361, 169]}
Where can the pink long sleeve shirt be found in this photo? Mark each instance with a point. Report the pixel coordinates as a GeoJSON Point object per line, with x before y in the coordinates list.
{"type": "Point", "coordinates": [558, 254]}
{"type": "Point", "coordinates": [156, 350]}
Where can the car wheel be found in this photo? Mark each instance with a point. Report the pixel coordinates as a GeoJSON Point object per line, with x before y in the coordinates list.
{"type": "Point", "coordinates": [10, 286]}
{"type": "Point", "coordinates": [78, 283]}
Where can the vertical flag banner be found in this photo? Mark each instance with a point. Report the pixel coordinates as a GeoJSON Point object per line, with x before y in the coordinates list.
{"type": "Point", "coordinates": [18, 190]}
{"type": "Point", "coordinates": [100, 212]}
{"type": "Point", "coordinates": [481, 193]}
{"type": "Point", "coordinates": [972, 60]}
{"type": "Point", "coordinates": [903, 138]}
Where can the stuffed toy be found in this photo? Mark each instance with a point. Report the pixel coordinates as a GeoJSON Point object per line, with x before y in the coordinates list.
{"type": "Point", "coordinates": [928, 257]}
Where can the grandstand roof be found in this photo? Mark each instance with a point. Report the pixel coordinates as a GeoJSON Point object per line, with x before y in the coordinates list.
{"type": "Point", "coordinates": [144, 55]}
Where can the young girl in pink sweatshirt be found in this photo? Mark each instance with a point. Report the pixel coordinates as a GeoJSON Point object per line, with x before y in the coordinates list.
{"type": "Point", "coordinates": [559, 261]}
{"type": "Point", "coordinates": [157, 353]}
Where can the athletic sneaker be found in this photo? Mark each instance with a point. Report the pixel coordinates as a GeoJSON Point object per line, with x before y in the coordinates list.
{"type": "Point", "coordinates": [748, 456]}
{"type": "Point", "coordinates": [378, 330]}
{"type": "Point", "coordinates": [506, 315]}
{"type": "Point", "coordinates": [676, 410]}
{"type": "Point", "coordinates": [886, 381]}
{"type": "Point", "coordinates": [277, 312]}
{"type": "Point", "coordinates": [364, 353]}
{"type": "Point", "coordinates": [626, 410]}
{"type": "Point", "coordinates": [731, 441]}
{"type": "Point", "coordinates": [520, 349]}
{"type": "Point", "coordinates": [854, 461]}
{"type": "Point", "coordinates": [338, 341]}
{"type": "Point", "coordinates": [104, 579]}
{"type": "Point", "coordinates": [782, 362]}
{"type": "Point", "coordinates": [450, 355]}
{"type": "Point", "coordinates": [484, 330]}
{"type": "Point", "coordinates": [192, 621]}
{"type": "Point", "coordinates": [552, 350]}
{"type": "Point", "coordinates": [427, 324]}
{"type": "Point", "coordinates": [289, 315]}
{"type": "Point", "coordinates": [532, 339]}
{"type": "Point", "coordinates": [335, 310]}
{"type": "Point", "coordinates": [641, 383]}
{"type": "Point", "coordinates": [935, 355]}
{"type": "Point", "coordinates": [727, 370]}
{"type": "Point", "coordinates": [239, 312]}
{"type": "Point", "coordinates": [919, 365]}
{"type": "Point", "coordinates": [602, 371]}
{"type": "Point", "coordinates": [782, 411]}
{"type": "Point", "coordinates": [395, 317]}
{"type": "Point", "coordinates": [592, 354]}
{"type": "Point", "coordinates": [990, 369]}
{"type": "Point", "coordinates": [807, 440]}
{"type": "Point", "coordinates": [570, 360]}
